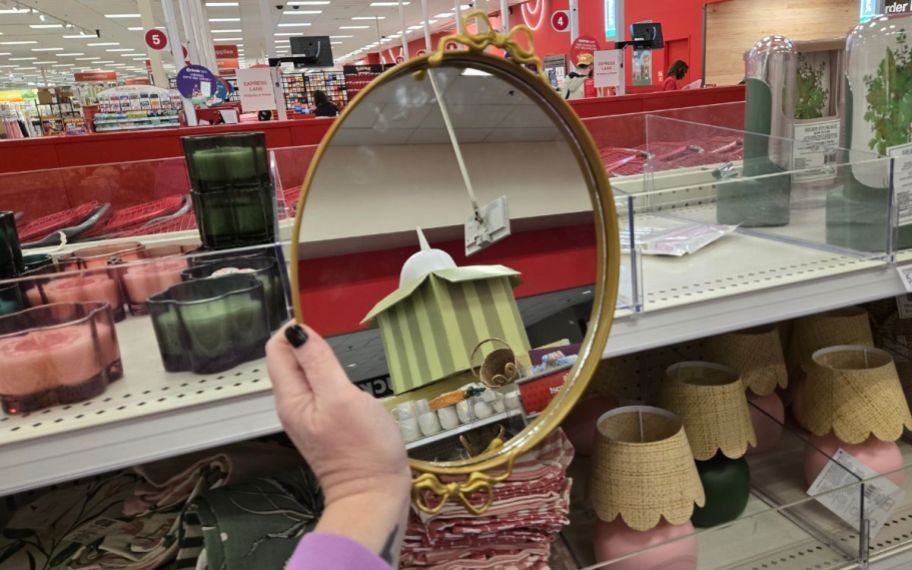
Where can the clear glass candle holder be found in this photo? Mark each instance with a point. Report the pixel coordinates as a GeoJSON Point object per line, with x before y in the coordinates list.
{"type": "Point", "coordinates": [263, 266]}
{"type": "Point", "coordinates": [161, 269]}
{"type": "Point", "coordinates": [57, 354]}
{"type": "Point", "coordinates": [210, 325]}
{"type": "Point", "coordinates": [101, 284]}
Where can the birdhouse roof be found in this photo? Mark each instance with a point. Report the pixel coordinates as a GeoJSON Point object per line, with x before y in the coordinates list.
{"type": "Point", "coordinates": [453, 275]}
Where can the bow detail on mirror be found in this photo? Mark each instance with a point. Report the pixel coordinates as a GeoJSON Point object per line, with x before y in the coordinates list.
{"type": "Point", "coordinates": [486, 36]}
{"type": "Point", "coordinates": [428, 484]}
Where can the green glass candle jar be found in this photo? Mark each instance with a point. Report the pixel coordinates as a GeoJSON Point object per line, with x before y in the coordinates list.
{"type": "Point", "coordinates": [210, 325]}
{"type": "Point", "coordinates": [726, 483]}
{"type": "Point", "coordinates": [11, 299]}
{"type": "Point", "coordinates": [11, 263]}
{"type": "Point", "coordinates": [228, 161]}
{"type": "Point", "coordinates": [235, 218]}
{"type": "Point", "coordinates": [262, 266]}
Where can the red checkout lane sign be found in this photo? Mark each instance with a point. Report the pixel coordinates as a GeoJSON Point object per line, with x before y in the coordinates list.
{"type": "Point", "coordinates": [560, 20]}
{"type": "Point", "coordinates": [156, 39]}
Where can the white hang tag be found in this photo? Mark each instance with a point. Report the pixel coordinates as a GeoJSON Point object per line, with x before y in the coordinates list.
{"type": "Point", "coordinates": [493, 226]}
{"type": "Point", "coordinates": [881, 496]}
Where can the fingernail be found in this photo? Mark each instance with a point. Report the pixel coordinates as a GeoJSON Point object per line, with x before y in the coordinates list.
{"type": "Point", "coordinates": [296, 335]}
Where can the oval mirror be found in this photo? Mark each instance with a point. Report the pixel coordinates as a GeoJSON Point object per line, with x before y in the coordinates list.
{"type": "Point", "coordinates": [457, 246]}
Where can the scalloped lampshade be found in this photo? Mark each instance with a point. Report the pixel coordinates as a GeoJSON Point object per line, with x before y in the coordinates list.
{"type": "Point", "coordinates": [853, 391]}
{"type": "Point", "coordinates": [643, 468]}
{"type": "Point", "coordinates": [756, 353]}
{"type": "Point", "coordinates": [849, 325]}
{"type": "Point", "coordinates": [712, 404]}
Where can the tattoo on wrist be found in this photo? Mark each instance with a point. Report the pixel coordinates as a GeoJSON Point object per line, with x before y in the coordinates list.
{"type": "Point", "coordinates": [386, 553]}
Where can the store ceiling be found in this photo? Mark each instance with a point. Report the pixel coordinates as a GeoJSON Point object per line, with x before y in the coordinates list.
{"type": "Point", "coordinates": [50, 54]}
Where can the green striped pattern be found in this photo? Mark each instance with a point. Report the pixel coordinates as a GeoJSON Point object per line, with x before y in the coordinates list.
{"type": "Point", "coordinates": [431, 334]}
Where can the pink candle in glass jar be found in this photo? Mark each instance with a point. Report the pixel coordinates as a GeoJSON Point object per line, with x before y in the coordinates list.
{"type": "Point", "coordinates": [70, 354]}
{"type": "Point", "coordinates": [143, 281]}
{"type": "Point", "coordinates": [92, 287]}
{"type": "Point", "coordinates": [110, 352]}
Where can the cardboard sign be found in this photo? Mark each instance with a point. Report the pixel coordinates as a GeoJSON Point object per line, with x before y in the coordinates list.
{"type": "Point", "coordinates": [608, 68]}
{"type": "Point", "coordinates": [255, 89]}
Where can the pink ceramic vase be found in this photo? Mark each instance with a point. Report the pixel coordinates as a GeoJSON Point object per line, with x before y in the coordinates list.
{"type": "Point", "coordinates": [615, 539]}
{"type": "Point", "coordinates": [768, 425]}
{"type": "Point", "coordinates": [881, 456]}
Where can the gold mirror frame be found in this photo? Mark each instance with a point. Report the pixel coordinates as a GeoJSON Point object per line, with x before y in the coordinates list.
{"type": "Point", "coordinates": [500, 457]}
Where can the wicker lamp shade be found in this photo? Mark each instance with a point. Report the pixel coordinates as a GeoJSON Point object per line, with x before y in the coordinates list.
{"type": "Point", "coordinates": [853, 391]}
{"type": "Point", "coordinates": [847, 326]}
{"type": "Point", "coordinates": [755, 353]}
{"type": "Point", "coordinates": [713, 407]}
{"type": "Point", "coordinates": [643, 468]}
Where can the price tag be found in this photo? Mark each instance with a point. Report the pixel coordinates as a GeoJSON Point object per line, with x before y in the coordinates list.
{"type": "Point", "coordinates": [834, 488]}
{"type": "Point", "coordinates": [902, 181]}
{"type": "Point", "coordinates": [905, 275]}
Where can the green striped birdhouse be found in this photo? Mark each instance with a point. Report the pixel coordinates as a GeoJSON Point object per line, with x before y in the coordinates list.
{"type": "Point", "coordinates": [431, 324]}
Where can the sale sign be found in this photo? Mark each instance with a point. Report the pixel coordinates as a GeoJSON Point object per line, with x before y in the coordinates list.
{"type": "Point", "coordinates": [560, 20]}
{"type": "Point", "coordinates": [255, 89]}
{"type": "Point", "coordinates": [95, 76]}
{"type": "Point", "coordinates": [156, 39]}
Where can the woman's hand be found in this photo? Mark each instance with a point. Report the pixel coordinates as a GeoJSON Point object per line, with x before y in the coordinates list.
{"type": "Point", "coordinates": [347, 437]}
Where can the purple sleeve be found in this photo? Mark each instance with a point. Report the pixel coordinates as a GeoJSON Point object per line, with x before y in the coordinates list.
{"type": "Point", "coordinates": [318, 551]}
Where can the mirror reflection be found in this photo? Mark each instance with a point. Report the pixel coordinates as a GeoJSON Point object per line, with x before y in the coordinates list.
{"type": "Point", "coordinates": [449, 254]}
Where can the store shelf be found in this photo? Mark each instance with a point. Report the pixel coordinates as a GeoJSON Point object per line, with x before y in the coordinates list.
{"type": "Point", "coordinates": [137, 119]}
{"type": "Point", "coordinates": [138, 127]}
{"type": "Point", "coordinates": [146, 415]}
{"type": "Point", "coordinates": [462, 429]}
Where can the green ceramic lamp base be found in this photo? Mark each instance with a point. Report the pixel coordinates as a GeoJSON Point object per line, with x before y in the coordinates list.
{"type": "Point", "coordinates": [726, 483]}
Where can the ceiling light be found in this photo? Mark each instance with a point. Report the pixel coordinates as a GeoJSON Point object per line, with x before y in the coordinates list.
{"type": "Point", "coordinates": [444, 15]}
{"type": "Point", "coordinates": [287, 34]}
{"type": "Point", "coordinates": [47, 49]}
{"type": "Point", "coordinates": [415, 27]}
{"type": "Point", "coordinates": [388, 3]}
{"type": "Point", "coordinates": [226, 31]}
{"type": "Point", "coordinates": [335, 43]}
{"type": "Point", "coordinates": [23, 10]}
{"type": "Point", "coordinates": [87, 58]}
{"type": "Point", "coordinates": [106, 61]}
{"type": "Point", "coordinates": [68, 54]}
{"type": "Point", "coordinates": [220, 4]}
{"type": "Point", "coordinates": [18, 43]}
{"type": "Point", "coordinates": [339, 37]}
{"type": "Point", "coordinates": [104, 44]}
{"type": "Point", "coordinates": [368, 17]}
{"type": "Point", "coordinates": [9, 65]}
{"type": "Point", "coordinates": [63, 65]}
{"type": "Point", "coordinates": [80, 37]}
{"type": "Point", "coordinates": [45, 26]}
{"type": "Point", "coordinates": [302, 12]}
{"type": "Point", "coordinates": [42, 62]}
{"type": "Point", "coordinates": [131, 54]}
{"type": "Point", "coordinates": [117, 65]}
{"type": "Point", "coordinates": [224, 19]}
{"type": "Point", "coordinates": [136, 29]}
{"type": "Point", "coordinates": [122, 16]}
{"type": "Point", "coordinates": [22, 58]}
{"type": "Point", "coordinates": [120, 49]}
{"type": "Point", "coordinates": [24, 68]}
{"type": "Point", "coordinates": [5, 53]}
{"type": "Point", "coordinates": [295, 25]}
{"type": "Point", "coordinates": [309, 3]}
{"type": "Point", "coordinates": [354, 27]}
{"type": "Point", "coordinates": [228, 39]}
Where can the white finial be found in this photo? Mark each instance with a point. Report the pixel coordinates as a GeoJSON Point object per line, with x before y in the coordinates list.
{"type": "Point", "coordinates": [423, 262]}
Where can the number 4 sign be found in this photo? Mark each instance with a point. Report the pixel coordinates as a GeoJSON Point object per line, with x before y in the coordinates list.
{"type": "Point", "coordinates": [560, 20]}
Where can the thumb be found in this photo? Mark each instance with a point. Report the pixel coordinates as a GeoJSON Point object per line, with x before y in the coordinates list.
{"type": "Point", "coordinates": [324, 374]}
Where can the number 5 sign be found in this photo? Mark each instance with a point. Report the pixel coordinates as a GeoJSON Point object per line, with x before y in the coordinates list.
{"type": "Point", "coordinates": [156, 39]}
{"type": "Point", "coordinates": [560, 20]}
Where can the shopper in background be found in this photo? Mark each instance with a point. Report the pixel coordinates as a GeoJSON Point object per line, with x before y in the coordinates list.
{"type": "Point", "coordinates": [353, 446]}
{"type": "Point", "coordinates": [574, 85]}
{"type": "Point", "coordinates": [676, 72]}
{"type": "Point", "coordinates": [323, 106]}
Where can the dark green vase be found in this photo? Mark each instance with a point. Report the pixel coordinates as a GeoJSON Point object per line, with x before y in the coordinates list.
{"type": "Point", "coordinates": [726, 483]}
{"type": "Point", "coordinates": [756, 202]}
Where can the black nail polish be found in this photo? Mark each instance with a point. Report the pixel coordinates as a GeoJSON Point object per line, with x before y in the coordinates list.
{"type": "Point", "coordinates": [296, 335]}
